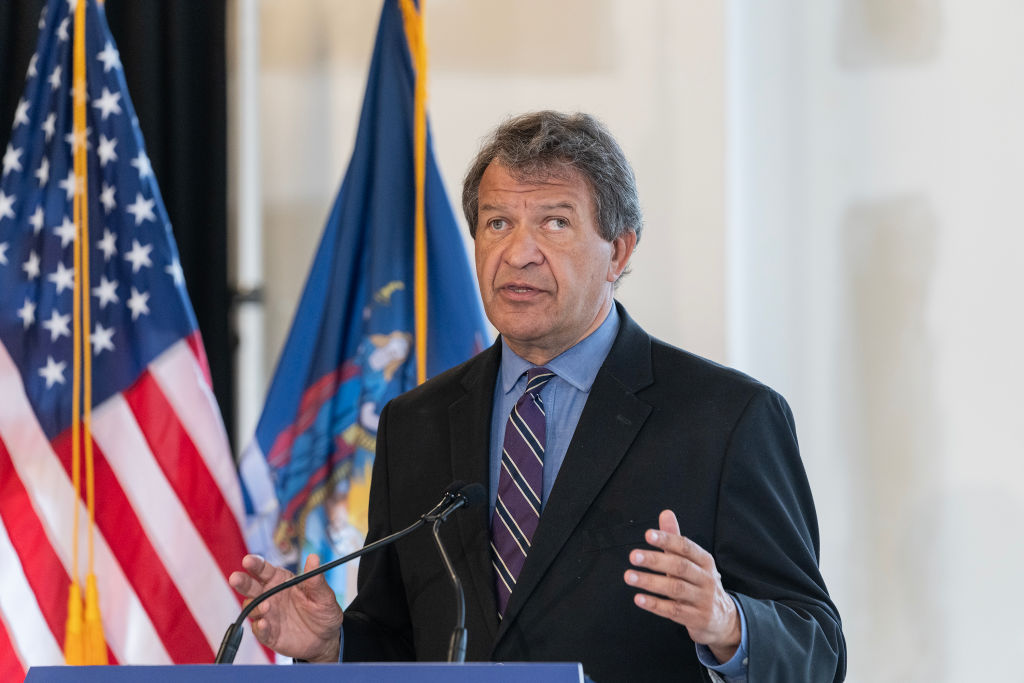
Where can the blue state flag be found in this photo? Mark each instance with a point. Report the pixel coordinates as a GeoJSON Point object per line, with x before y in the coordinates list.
{"type": "Point", "coordinates": [351, 347]}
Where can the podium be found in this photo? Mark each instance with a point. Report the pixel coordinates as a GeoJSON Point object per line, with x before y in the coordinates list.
{"type": "Point", "coordinates": [406, 672]}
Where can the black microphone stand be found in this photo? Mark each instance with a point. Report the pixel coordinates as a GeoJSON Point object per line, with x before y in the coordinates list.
{"type": "Point", "coordinates": [457, 644]}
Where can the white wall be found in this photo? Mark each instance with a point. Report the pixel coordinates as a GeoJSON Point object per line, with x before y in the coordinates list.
{"type": "Point", "coordinates": [875, 169]}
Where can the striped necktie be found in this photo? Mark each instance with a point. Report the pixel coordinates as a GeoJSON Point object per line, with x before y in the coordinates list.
{"type": "Point", "coordinates": [517, 511]}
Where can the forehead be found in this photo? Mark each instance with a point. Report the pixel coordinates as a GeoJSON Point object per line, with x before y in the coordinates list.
{"type": "Point", "coordinates": [500, 186]}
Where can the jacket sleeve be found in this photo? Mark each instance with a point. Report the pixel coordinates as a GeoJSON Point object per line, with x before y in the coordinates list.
{"type": "Point", "coordinates": [766, 548]}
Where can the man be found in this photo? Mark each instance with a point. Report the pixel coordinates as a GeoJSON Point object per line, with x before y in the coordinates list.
{"type": "Point", "coordinates": [649, 517]}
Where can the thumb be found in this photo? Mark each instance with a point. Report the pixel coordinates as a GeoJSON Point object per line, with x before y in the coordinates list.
{"type": "Point", "coordinates": [316, 584]}
{"type": "Point", "coordinates": [312, 562]}
{"type": "Point", "coordinates": [668, 523]}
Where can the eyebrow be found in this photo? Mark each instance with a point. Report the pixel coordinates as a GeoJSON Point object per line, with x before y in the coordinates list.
{"type": "Point", "coordinates": [565, 206]}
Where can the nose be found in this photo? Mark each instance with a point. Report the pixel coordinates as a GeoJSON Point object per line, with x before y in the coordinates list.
{"type": "Point", "coordinates": [522, 249]}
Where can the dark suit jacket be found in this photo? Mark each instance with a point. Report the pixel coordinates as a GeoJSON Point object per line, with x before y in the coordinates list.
{"type": "Point", "coordinates": [661, 429]}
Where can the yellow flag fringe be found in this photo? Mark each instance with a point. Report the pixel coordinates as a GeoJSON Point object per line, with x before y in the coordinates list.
{"type": "Point", "coordinates": [84, 641]}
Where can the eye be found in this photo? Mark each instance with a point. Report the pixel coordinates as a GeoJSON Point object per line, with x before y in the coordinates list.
{"type": "Point", "coordinates": [497, 224]}
{"type": "Point", "coordinates": [556, 224]}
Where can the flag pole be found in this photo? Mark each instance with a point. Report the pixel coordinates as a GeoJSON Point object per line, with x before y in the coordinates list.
{"type": "Point", "coordinates": [414, 33]}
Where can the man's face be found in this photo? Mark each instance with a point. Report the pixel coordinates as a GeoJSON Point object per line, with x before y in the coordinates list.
{"type": "Point", "coordinates": [545, 272]}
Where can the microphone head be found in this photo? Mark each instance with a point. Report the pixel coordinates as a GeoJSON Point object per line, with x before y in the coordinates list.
{"type": "Point", "coordinates": [454, 488]}
{"type": "Point", "coordinates": [474, 494]}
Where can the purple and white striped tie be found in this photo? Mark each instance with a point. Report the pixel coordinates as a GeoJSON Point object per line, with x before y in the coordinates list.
{"type": "Point", "coordinates": [517, 511]}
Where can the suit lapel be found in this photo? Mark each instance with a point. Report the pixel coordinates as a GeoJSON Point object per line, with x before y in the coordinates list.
{"type": "Point", "coordinates": [612, 418]}
{"type": "Point", "coordinates": [470, 422]}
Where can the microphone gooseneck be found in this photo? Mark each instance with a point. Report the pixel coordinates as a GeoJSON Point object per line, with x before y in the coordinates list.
{"type": "Point", "coordinates": [456, 495]}
{"type": "Point", "coordinates": [468, 496]}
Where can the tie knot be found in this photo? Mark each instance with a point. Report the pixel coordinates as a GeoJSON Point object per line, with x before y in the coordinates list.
{"type": "Point", "coordinates": [536, 378]}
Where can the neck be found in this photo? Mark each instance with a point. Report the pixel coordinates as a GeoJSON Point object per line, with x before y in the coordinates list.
{"type": "Point", "coordinates": [541, 353]}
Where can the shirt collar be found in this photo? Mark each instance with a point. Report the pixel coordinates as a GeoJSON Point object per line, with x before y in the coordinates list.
{"type": "Point", "coordinates": [577, 365]}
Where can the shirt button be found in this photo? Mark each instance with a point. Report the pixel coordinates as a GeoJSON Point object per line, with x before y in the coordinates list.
{"type": "Point", "coordinates": [746, 661]}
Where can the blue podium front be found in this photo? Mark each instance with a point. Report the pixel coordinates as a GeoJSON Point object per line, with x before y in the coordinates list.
{"type": "Point", "coordinates": [411, 672]}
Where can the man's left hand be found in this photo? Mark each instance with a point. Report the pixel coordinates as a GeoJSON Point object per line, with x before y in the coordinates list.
{"type": "Point", "coordinates": [686, 588]}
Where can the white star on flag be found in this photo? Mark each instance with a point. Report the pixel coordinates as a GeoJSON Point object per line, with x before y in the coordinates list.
{"type": "Point", "coordinates": [106, 151]}
{"type": "Point", "coordinates": [58, 325]}
{"type": "Point", "coordinates": [32, 66]}
{"type": "Point", "coordinates": [71, 185]}
{"type": "Point", "coordinates": [3, 253]}
{"type": "Point", "coordinates": [31, 266]}
{"type": "Point", "coordinates": [11, 160]}
{"type": "Point", "coordinates": [137, 303]}
{"type": "Point", "coordinates": [110, 57]}
{"type": "Point", "coordinates": [108, 103]}
{"type": "Point", "coordinates": [139, 256]}
{"type": "Point", "coordinates": [102, 339]}
{"type": "Point", "coordinates": [64, 278]}
{"type": "Point", "coordinates": [27, 312]}
{"type": "Point", "coordinates": [49, 126]}
{"type": "Point", "coordinates": [142, 209]}
{"type": "Point", "coordinates": [6, 205]}
{"type": "Point", "coordinates": [53, 373]}
{"type": "Point", "coordinates": [107, 197]}
{"type": "Point", "coordinates": [36, 221]}
{"type": "Point", "coordinates": [43, 172]}
{"type": "Point", "coordinates": [107, 245]}
{"type": "Point", "coordinates": [21, 113]}
{"type": "Point", "coordinates": [62, 30]}
{"type": "Point", "coordinates": [55, 78]}
{"type": "Point", "coordinates": [106, 292]}
{"type": "Point", "coordinates": [174, 270]}
{"type": "Point", "coordinates": [66, 232]}
{"type": "Point", "coordinates": [141, 162]}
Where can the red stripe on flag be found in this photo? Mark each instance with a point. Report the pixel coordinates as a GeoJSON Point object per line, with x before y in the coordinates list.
{"type": "Point", "coordinates": [342, 451]}
{"type": "Point", "coordinates": [195, 342]}
{"type": "Point", "coordinates": [116, 519]}
{"type": "Point", "coordinates": [11, 668]}
{"type": "Point", "coordinates": [43, 569]}
{"type": "Point", "coordinates": [312, 401]}
{"type": "Point", "coordinates": [187, 473]}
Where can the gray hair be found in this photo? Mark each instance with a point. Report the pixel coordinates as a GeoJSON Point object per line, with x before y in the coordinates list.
{"type": "Point", "coordinates": [548, 144]}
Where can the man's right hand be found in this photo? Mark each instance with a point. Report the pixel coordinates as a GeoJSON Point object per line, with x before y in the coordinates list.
{"type": "Point", "coordinates": [303, 622]}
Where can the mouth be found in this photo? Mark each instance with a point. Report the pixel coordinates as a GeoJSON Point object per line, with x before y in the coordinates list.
{"type": "Point", "coordinates": [519, 290]}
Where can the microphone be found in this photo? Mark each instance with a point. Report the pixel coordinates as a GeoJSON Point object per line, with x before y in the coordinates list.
{"type": "Point", "coordinates": [469, 496]}
{"type": "Point", "coordinates": [458, 494]}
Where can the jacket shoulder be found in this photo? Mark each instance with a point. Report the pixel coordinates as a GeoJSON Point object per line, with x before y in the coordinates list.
{"type": "Point", "coordinates": [452, 383]}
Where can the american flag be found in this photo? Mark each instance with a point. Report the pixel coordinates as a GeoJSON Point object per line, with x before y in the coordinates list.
{"type": "Point", "coordinates": [169, 507]}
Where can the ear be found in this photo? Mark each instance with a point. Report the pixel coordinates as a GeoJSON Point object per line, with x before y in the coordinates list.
{"type": "Point", "coordinates": [622, 250]}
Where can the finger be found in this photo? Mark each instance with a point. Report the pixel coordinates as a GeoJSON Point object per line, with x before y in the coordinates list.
{"type": "Point", "coordinates": [245, 584]}
{"type": "Point", "coordinates": [678, 612]}
{"type": "Point", "coordinates": [668, 523]}
{"type": "Point", "coordinates": [316, 589]}
{"type": "Point", "coordinates": [262, 570]}
{"type": "Point", "coordinates": [668, 587]}
{"type": "Point", "coordinates": [670, 564]}
{"type": "Point", "coordinates": [682, 546]}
